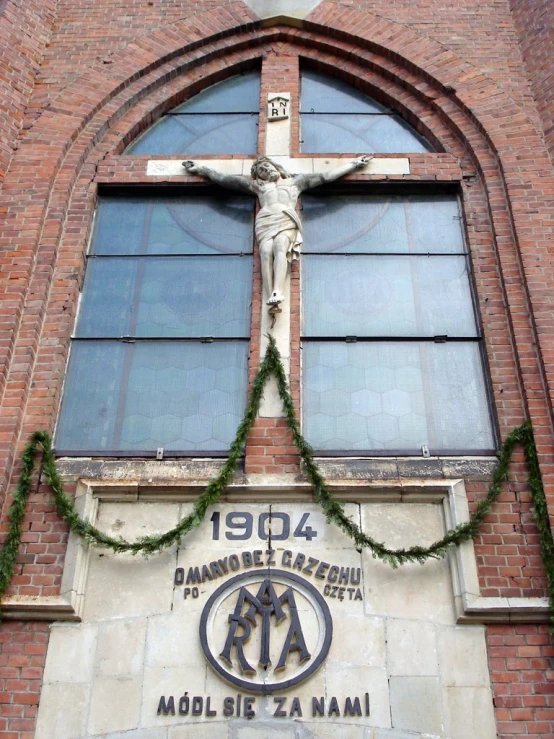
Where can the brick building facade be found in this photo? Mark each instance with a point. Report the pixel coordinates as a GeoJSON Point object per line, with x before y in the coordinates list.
{"type": "Point", "coordinates": [80, 81]}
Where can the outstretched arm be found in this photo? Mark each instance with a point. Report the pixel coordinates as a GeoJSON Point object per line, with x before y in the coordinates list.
{"type": "Point", "coordinates": [230, 181]}
{"type": "Point", "coordinates": [307, 181]}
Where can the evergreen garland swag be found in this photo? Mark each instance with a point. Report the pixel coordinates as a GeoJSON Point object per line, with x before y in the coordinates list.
{"type": "Point", "coordinates": [333, 509]}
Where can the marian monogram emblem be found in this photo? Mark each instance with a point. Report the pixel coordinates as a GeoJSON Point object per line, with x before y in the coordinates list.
{"type": "Point", "coordinates": [266, 630]}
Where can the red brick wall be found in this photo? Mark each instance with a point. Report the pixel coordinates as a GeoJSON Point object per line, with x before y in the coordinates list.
{"type": "Point", "coordinates": [25, 30]}
{"type": "Point", "coordinates": [520, 660]}
{"type": "Point", "coordinates": [455, 71]}
{"type": "Point", "coordinates": [534, 21]}
{"type": "Point", "coordinates": [21, 667]}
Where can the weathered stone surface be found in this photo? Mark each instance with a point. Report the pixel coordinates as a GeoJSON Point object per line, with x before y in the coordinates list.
{"type": "Point", "coordinates": [173, 641]}
{"type": "Point", "coordinates": [216, 730]}
{"type": "Point", "coordinates": [415, 704]}
{"type": "Point", "coordinates": [463, 656]}
{"type": "Point", "coordinates": [63, 711]}
{"type": "Point", "coordinates": [121, 647]}
{"type": "Point", "coordinates": [416, 468]}
{"type": "Point", "coordinates": [359, 637]}
{"type": "Point", "coordinates": [139, 734]}
{"type": "Point", "coordinates": [412, 648]}
{"type": "Point", "coordinates": [469, 713]}
{"type": "Point", "coordinates": [121, 585]}
{"type": "Point", "coordinates": [294, 8]}
{"type": "Point", "coordinates": [420, 591]}
{"type": "Point", "coordinates": [115, 704]}
{"type": "Point", "coordinates": [71, 653]}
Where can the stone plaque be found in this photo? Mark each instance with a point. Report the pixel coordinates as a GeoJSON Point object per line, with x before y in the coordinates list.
{"type": "Point", "coordinates": [278, 106]}
{"type": "Point", "coordinates": [266, 622]}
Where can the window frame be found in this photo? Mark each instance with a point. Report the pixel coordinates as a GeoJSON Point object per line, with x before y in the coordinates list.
{"type": "Point", "coordinates": [122, 190]}
{"type": "Point", "coordinates": [406, 189]}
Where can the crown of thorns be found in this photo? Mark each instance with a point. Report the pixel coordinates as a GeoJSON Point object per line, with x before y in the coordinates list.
{"type": "Point", "coordinates": [254, 171]}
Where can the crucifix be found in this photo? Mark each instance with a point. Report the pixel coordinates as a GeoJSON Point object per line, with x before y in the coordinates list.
{"type": "Point", "coordinates": [278, 226]}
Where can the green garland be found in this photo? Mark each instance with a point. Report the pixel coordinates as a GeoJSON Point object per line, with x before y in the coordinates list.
{"type": "Point", "coordinates": [333, 509]}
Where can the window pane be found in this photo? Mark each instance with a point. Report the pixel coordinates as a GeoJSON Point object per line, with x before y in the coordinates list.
{"type": "Point", "coordinates": [322, 94]}
{"type": "Point", "coordinates": [186, 135]}
{"type": "Point", "coordinates": [381, 134]}
{"type": "Point", "coordinates": [182, 396]}
{"type": "Point", "coordinates": [387, 296]}
{"type": "Point", "coordinates": [395, 396]}
{"type": "Point", "coordinates": [91, 396]}
{"type": "Point", "coordinates": [375, 224]}
{"type": "Point", "coordinates": [154, 297]}
{"type": "Point", "coordinates": [239, 94]}
{"type": "Point", "coordinates": [166, 225]}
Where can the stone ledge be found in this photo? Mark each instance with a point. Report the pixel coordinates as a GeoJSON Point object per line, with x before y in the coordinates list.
{"type": "Point", "coordinates": [505, 610]}
{"type": "Point", "coordinates": [200, 470]}
{"type": "Point", "coordinates": [38, 608]}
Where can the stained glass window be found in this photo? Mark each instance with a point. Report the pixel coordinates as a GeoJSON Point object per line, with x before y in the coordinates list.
{"type": "Point", "coordinates": [391, 346]}
{"type": "Point", "coordinates": [159, 357]}
{"type": "Point", "coordinates": [337, 118]}
{"type": "Point", "coordinates": [220, 120]}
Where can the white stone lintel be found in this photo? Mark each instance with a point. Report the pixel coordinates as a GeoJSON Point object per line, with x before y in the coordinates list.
{"type": "Point", "coordinates": [298, 165]}
{"type": "Point", "coordinates": [174, 167]}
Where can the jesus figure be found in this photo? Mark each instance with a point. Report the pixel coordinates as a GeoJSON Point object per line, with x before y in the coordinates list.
{"type": "Point", "coordinates": [278, 227]}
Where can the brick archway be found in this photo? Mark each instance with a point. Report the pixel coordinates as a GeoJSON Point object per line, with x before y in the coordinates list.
{"type": "Point", "coordinates": [108, 105]}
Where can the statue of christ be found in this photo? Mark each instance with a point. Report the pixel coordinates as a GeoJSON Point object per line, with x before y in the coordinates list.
{"type": "Point", "coordinates": [278, 226]}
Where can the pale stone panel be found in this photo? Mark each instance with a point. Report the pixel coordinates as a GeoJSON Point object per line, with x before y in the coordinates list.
{"type": "Point", "coordinates": [121, 647]}
{"type": "Point", "coordinates": [416, 704]}
{"type": "Point", "coordinates": [265, 730]}
{"type": "Point", "coordinates": [469, 713]}
{"type": "Point", "coordinates": [292, 8]}
{"type": "Point", "coordinates": [358, 639]}
{"type": "Point", "coordinates": [140, 734]}
{"type": "Point", "coordinates": [420, 591]}
{"type": "Point", "coordinates": [394, 734]}
{"type": "Point", "coordinates": [174, 167]}
{"type": "Point", "coordinates": [215, 730]}
{"type": "Point", "coordinates": [70, 653]}
{"type": "Point", "coordinates": [63, 711]}
{"type": "Point", "coordinates": [173, 641]}
{"type": "Point", "coordinates": [131, 521]}
{"type": "Point", "coordinates": [353, 681]}
{"type": "Point", "coordinates": [286, 729]}
{"type": "Point", "coordinates": [463, 656]}
{"type": "Point", "coordinates": [115, 704]}
{"type": "Point", "coordinates": [123, 585]}
{"type": "Point", "coordinates": [377, 165]}
{"type": "Point", "coordinates": [412, 648]}
{"type": "Point", "coordinates": [333, 729]}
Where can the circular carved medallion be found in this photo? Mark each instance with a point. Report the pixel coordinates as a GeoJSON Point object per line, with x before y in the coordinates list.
{"type": "Point", "coordinates": [266, 630]}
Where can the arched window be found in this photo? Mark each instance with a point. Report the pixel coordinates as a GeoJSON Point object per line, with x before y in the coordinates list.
{"type": "Point", "coordinates": [391, 343]}
{"type": "Point", "coordinates": [159, 357]}
{"type": "Point", "coordinates": [220, 120]}
{"type": "Point", "coordinates": [338, 118]}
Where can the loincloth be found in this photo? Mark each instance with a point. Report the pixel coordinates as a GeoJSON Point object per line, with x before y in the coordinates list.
{"type": "Point", "coordinates": [269, 225]}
